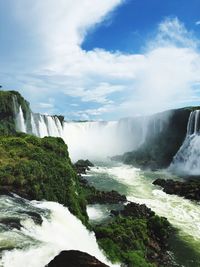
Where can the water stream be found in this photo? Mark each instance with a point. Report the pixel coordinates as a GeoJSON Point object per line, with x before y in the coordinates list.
{"type": "Point", "coordinates": [183, 214]}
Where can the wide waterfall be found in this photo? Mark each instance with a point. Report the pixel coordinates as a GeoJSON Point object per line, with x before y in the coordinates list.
{"type": "Point", "coordinates": [87, 139]}
{"type": "Point", "coordinates": [98, 139]}
{"type": "Point", "coordinates": [93, 139]}
{"type": "Point", "coordinates": [187, 159]}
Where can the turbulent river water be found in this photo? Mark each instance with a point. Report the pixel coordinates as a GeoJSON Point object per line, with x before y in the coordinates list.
{"type": "Point", "coordinates": [34, 245]}
{"type": "Point", "coordinates": [137, 185]}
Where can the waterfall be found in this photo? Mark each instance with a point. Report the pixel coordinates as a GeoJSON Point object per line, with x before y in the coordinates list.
{"type": "Point", "coordinates": [187, 159]}
{"type": "Point", "coordinates": [42, 126]}
{"type": "Point", "coordinates": [36, 245]}
{"type": "Point", "coordinates": [92, 139]}
{"type": "Point", "coordinates": [20, 121]}
{"type": "Point", "coordinates": [99, 140]}
{"type": "Point", "coordinates": [45, 125]}
{"type": "Point", "coordinates": [54, 126]}
{"type": "Point", "coordinates": [34, 126]}
{"type": "Point", "coordinates": [193, 123]}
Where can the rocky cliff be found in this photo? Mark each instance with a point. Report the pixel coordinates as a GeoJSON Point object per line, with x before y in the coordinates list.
{"type": "Point", "coordinates": [162, 141]}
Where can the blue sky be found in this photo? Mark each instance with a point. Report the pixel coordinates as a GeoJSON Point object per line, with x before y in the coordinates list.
{"type": "Point", "coordinates": [101, 59]}
{"type": "Point", "coordinates": [136, 20]}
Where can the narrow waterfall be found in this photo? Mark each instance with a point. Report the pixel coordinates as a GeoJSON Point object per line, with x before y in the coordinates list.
{"type": "Point", "coordinates": [193, 127]}
{"type": "Point", "coordinates": [34, 126]}
{"type": "Point", "coordinates": [187, 159]}
{"type": "Point", "coordinates": [19, 116]}
{"type": "Point", "coordinates": [21, 125]}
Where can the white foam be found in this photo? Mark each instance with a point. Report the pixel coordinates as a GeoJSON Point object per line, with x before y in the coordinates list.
{"type": "Point", "coordinates": [62, 231]}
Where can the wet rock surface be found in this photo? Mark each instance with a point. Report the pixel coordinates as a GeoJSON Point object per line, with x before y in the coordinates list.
{"type": "Point", "coordinates": [95, 196]}
{"type": "Point", "coordinates": [73, 258]}
{"type": "Point", "coordinates": [82, 166]}
{"type": "Point", "coordinates": [134, 210]}
{"type": "Point", "coordinates": [189, 189]}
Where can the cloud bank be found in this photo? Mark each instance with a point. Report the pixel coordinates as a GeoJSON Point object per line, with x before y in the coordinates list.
{"type": "Point", "coordinates": [99, 83]}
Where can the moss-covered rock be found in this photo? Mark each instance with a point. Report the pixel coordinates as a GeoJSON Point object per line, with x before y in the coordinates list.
{"type": "Point", "coordinates": [136, 238]}
{"type": "Point", "coordinates": [40, 169]}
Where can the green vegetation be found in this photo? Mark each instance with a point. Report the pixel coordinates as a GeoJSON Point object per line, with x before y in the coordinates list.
{"type": "Point", "coordinates": [37, 168]}
{"type": "Point", "coordinates": [40, 169]}
{"type": "Point", "coordinates": [137, 242]}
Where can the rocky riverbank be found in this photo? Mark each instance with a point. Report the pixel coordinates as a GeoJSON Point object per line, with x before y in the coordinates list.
{"type": "Point", "coordinates": [92, 195]}
{"type": "Point", "coordinates": [189, 189]}
{"type": "Point", "coordinates": [136, 237]}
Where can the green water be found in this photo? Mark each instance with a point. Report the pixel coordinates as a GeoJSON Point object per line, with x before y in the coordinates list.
{"type": "Point", "coordinates": [137, 185]}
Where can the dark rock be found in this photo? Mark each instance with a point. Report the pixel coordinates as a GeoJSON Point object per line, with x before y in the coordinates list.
{"type": "Point", "coordinates": [189, 189]}
{"type": "Point", "coordinates": [5, 191]}
{"type": "Point", "coordinates": [160, 146]}
{"type": "Point", "coordinates": [160, 182]}
{"type": "Point", "coordinates": [12, 223]}
{"type": "Point", "coordinates": [95, 196]}
{"type": "Point", "coordinates": [102, 197]}
{"type": "Point", "coordinates": [135, 210]}
{"type": "Point", "coordinates": [37, 218]}
{"type": "Point", "coordinates": [73, 258]}
{"type": "Point", "coordinates": [82, 166]}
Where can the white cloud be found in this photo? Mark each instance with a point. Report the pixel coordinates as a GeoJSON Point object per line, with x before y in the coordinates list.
{"type": "Point", "coordinates": [173, 32]}
{"type": "Point", "coordinates": [197, 22]}
{"type": "Point", "coordinates": [95, 112]}
{"type": "Point", "coordinates": [162, 77]}
{"type": "Point", "coordinates": [46, 105]}
{"type": "Point", "coordinates": [98, 94]}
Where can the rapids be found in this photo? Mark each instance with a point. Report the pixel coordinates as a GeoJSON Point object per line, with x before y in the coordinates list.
{"type": "Point", "coordinates": [36, 245]}
{"type": "Point", "coordinates": [183, 214]}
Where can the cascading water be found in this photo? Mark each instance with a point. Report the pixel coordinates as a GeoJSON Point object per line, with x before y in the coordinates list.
{"type": "Point", "coordinates": [137, 185]}
{"type": "Point", "coordinates": [20, 121]}
{"type": "Point", "coordinates": [19, 116]}
{"type": "Point", "coordinates": [187, 159]}
{"type": "Point", "coordinates": [35, 245]}
{"type": "Point", "coordinates": [34, 127]}
{"type": "Point", "coordinates": [92, 139]}
{"type": "Point", "coordinates": [44, 125]}
{"type": "Point", "coordinates": [96, 140]}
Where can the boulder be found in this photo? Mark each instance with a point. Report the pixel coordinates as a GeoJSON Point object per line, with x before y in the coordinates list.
{"type": "Point", "coordinates": [73, 258]}
{"type": "Point", "coordinates": [82, 166]}
{"type": "Point", "coordinates": [135, 210]}
{"type": "Point", "coordinates": [102, 197]}
{"type": "Point", "coordinates": [189, 189]}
